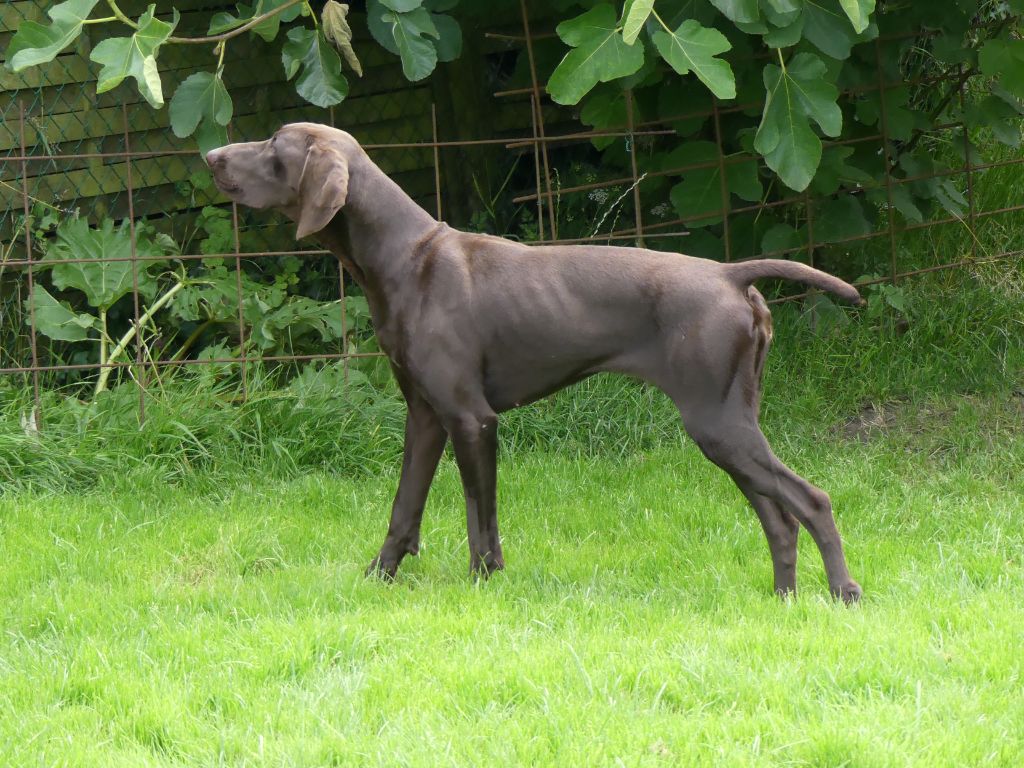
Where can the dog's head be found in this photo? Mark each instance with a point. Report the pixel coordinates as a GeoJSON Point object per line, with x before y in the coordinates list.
{"type": "Point", "coordinates": [301, 170]}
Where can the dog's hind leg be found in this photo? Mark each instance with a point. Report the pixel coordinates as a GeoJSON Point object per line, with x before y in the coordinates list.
{"type": "Point", "coordinates": [730, 437]}
{"type": "Point", "coordinates": [781, 529]}
{"type": "Point", "coordinates": [718, 396]}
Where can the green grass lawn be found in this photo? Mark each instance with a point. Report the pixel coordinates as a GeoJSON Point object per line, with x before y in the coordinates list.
{"type": "Point", "coordinates": [190, 592]}
{"type": "Point", "coordinates": [150, 625]}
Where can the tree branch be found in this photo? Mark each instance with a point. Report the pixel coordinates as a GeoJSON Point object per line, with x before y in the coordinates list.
{"type": "Point", "coordinates": [965, 75]}
{"type": "Point", "coordinates": [237, 31]}
{"type": "Point", "coordinates": [120, 16]}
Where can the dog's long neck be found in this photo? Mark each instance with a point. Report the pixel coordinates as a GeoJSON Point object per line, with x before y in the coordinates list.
{"type": "Point", "coordinates": [374, 233]}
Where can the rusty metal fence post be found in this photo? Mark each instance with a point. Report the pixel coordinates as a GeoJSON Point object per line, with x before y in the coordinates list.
{"type": "Point", "coordinates": [133, 243]}
{"type": "Point", "coordinates": [888, 163]}
{"type": "Point", "coordinates": [535, 86]}
{"type": "Point", "coordinates": [723, 184]}
{"type": "Point", "coordinates": [37, 411]}
{"type": "Point", "coordinates": [631, 149]}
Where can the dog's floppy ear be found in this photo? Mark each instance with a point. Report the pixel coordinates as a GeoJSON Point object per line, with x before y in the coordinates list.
{"type": "Point", "coordinates": [323, 188]}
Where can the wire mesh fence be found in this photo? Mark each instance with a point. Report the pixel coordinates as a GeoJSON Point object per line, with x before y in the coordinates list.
{"type": "Point", "coordinates": [481, 146]}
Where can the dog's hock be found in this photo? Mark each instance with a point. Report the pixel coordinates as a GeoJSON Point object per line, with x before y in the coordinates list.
{"type": "Point", "coordinates": [323, 188]}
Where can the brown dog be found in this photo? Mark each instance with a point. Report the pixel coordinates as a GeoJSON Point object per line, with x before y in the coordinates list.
{"type": "Point", "coordinates": [475, 325]}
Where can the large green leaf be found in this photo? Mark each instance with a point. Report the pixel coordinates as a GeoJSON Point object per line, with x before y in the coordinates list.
{"type": "Point", "coordinates": [859, 13]}
{"type": "Point", "coordinates": [337, 30]}
{"type": "Point", "coordinates": [412, 33]}
{"type": "Point", "coordinates": [827, 27]}
{"type": "Point", "coordinates": [56, 319]}
{"type": "Point", "coordinates": [781, 237]}
{"type": "Point", "coordinates": [268, 28]}
{"type": "Point", "coordinates": [449, 41]}
{"type": "Point", "coordinates": [135, 57]}
{"type": "Point", "coordinates": [604, 108]}
{"type": "Point", "coordinates": [1004, 59]}
{"type": "Point", "coordinates": [784, 17]}
{"type": "Point", "coordinates": [296, 317]}
{"type": "Point", "coordinates": [380, 29]}
{"type": "Point", "coordinates": [1000, 117]}
{"type": "Point", "coordinates": [634, 15]}
{"type": "Point", "coordinates": [213, 294]}
{"type": "Point", "coordinates": [834, 172]}
{"type": "Point", "coordinates": [932, 181]}
{"type": "Point", "coordinates": [224, 21]}
{"type": "Point", "coordinates": [402, 6]}
{"type": "Point", "coordinates": [421, 37]}
{"type": "Point", "coordinates": [900, 121]}
{"type": "Point", "coordinates": [903, 201]}
{"type": "Point", "coordinates": [797, 95]}
{"type": "Point", "coordinates": [840, 219]}
{"type": "Point", "coordinates": [698, 197]}
{"type": "Point", "coordinates": [409, 35]}
{"type": "Point", "coordinates": [786, 28]}
{"type": "Point", "coordinates": [35, 44]}
{"type": "Point", "coordinates": [320, 82]}
{"type": "Point", "coordinates": [105, 274]}
{"type": "Point", "coordinates": [740, 11]}
{"type": "Point", "coordinates": [598, 54]}
{"type": "Point", "coordinates": [201, 102]}
{"type": "Point", "coordinates": [950, 198]}
{"type": "Point", "coordinates": [783, 6]}
{"type": "Point", "coordinates": [276, 320]}
{"type": "Point", "coordinates": [693, 48]}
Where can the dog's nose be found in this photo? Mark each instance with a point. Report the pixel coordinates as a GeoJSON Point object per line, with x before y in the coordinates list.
{"type": "Point", "coordinates": [213, 156]}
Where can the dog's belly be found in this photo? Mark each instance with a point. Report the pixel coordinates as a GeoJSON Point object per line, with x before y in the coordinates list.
{"type": "Point", "coordinates": [540, 352]}
{"type": "Point", "coordinates": [509, 387]}
{"type": "Point", "coordinates": [514, 380]}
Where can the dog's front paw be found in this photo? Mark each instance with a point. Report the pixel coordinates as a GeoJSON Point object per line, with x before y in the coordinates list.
{"type": "Point", "coordinates": [383, 568]}
{"type": "Point", "coordinates": [482, 566]}
{"type": "Point", "coordinates": [785, 591]}
{"type": "Point", "coordinates": [849, 593]}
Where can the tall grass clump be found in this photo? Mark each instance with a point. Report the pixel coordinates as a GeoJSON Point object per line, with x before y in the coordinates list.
{"type": "Point", "coordinates": [958, 334]}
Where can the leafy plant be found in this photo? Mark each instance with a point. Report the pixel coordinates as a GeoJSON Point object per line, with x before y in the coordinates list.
{"type": "Point", "coordinates": [98, 262]}
{"type": "Point", "coordinates": [93, 269]}
{"type": "Point", "coordinates": [885, 301]}
{"type": "Point", "coordinates": [796, 94]}
{"type": "Point", "coordinates": [415, 30]}
{"type": "Point", "coordinates": [814, 49]}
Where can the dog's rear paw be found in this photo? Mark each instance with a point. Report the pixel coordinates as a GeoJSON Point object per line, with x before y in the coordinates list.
{"type": "Point", "coordinates": [849, 593]}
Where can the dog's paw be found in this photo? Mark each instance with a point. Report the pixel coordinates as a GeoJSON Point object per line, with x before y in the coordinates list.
{"type": "Point", "coordinates": [382, 568]}
{"type": "Point", "coordinates": [483, 566]}
{"type": "Point", "coordinates": [849, 593]}
{"type": "Point", "coordinates": [785, 592]}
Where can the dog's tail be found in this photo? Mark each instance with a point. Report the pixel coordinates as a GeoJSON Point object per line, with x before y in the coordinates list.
{"type": "Point", "coordinates": [743, 273]}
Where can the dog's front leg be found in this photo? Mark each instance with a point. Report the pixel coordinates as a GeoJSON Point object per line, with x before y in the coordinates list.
{"type": "Point", "coordinates": [424, 443]}
{"type": "Point", "coordinates": [475, 439]}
